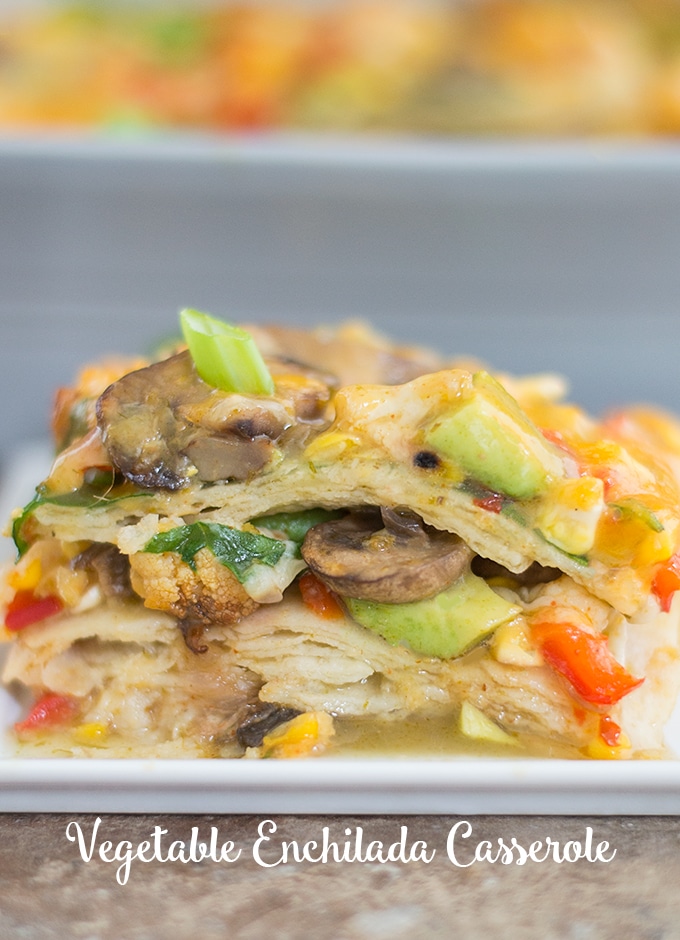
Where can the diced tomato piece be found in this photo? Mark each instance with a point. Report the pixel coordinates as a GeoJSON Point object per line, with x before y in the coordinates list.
{"type": "Point", "coordinates": [318, 597]}
{"type": "Point", "coordinates": [585, 661]}
{"type": "Point", "coordinates": [49, 711]}
{"type": "Point", "coordinates": [25, 609]}
{"type": "Point", "coordinates": [667, 581]}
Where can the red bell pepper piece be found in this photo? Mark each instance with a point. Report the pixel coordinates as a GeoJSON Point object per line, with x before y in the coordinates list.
{"type": "Point", "coordinates": [318, 597]}
{"type": "Point", "coordinates": [25, 609]}
{"type": "Point", "coordinates": [610, 732]}
{"type": "Point", "coordinates": [585, 661]}
{"type": "Point", "coordinates": [48, 712]}
{"type": "Point", "coordinates": [667, 581]}
{"type": "Point", "coordinates": [492, 503]}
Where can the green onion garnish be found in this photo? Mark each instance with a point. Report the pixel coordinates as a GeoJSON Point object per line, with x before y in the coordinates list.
{"type": "Point", "coordinates": [225, 356]}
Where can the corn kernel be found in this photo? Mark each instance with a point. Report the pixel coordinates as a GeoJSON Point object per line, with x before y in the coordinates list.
{"type": "Point", "coordinates": [598, 749]}
{"type": "Point", "coordinates": [299, 737]}
{"type": "Point", "coordinates": [27, 578]}
{"type": "Point", "coordinates": [657, 547]}
{"type": "Point", "coordinates": [91, 734]}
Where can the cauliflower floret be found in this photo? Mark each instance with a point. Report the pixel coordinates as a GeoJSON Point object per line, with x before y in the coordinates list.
{"type": "Point", "coordinates": [210, 594]}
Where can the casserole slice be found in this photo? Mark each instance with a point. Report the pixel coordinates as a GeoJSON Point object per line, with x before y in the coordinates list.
{"type": "Point", "coordinates": [372, 545]}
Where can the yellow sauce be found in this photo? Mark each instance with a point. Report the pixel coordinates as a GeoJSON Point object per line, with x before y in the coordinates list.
{"type": "Point", "coordinates": [432, 738]}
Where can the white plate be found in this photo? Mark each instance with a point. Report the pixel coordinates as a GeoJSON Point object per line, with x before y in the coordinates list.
{"type": "Point", "coordinates": [324, 786]}
{"type": "Point", "coordinates": [454, 787]}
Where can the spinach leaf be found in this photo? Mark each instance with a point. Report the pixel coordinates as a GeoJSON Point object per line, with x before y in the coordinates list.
{"type": "Point", "coordinates": [96, 493]}
{"type": "Point", "coordinates": [234, 549]}
{"type": "Point", "coordinates": [295, 525]}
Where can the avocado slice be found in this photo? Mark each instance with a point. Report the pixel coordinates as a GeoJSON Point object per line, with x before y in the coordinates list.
{"type": "Point", "coordinates": [490, 438]}
{"type": "Point", "coordinates": [446, 625]}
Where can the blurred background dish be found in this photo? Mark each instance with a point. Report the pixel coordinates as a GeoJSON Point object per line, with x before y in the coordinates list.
{"type": "Point", "coordinates": [499, 178]}
{"type": "Point", "coordinates": [531, 257]}
{"type": "Point", "coordinates": [439, 67]}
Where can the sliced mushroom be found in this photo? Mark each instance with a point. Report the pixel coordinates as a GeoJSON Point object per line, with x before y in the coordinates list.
{"type": "Point", "coordinates": [308, 389]}
{"type": "Point", "coordinates": [388, 557]}
{"type": "Point", "coordinates": [110, 565]}
{"type": "Point", "coordinates": [163, 426]}
{"type": "Point", "coordinates": [229, 457]}
{"type": "Point", "coordinates": [534, 574]}
{"type": "Point", "coordinates": [193, 632]}
{"type": "Point", "coordinates": [137, 420]}
{"type": "Point", "coordinates": [261, 721]}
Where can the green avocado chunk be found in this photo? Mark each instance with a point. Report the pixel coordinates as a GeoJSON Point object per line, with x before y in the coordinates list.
{"type": "Point", "coordinates": [490, 438]}
{"type": "Point", "coordinates": [446, 625]}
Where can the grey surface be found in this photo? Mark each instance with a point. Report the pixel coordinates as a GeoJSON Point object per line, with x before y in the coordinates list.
{"type": "Point", "coordinates": [532, 257]}
{"type": "Point", "coordinates": [47, 891]}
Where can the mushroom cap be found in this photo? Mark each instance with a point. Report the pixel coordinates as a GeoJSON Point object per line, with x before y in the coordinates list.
{"type": "Point", "coordinates": [385, 556]}
{"type": "Point", "coordinates": [136, 416]}
{"type": "Point", "coordinates": [162, 425]}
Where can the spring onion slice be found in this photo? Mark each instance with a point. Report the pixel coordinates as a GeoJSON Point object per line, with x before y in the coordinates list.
{"type": "Point", "coordinates": [225, 356]}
